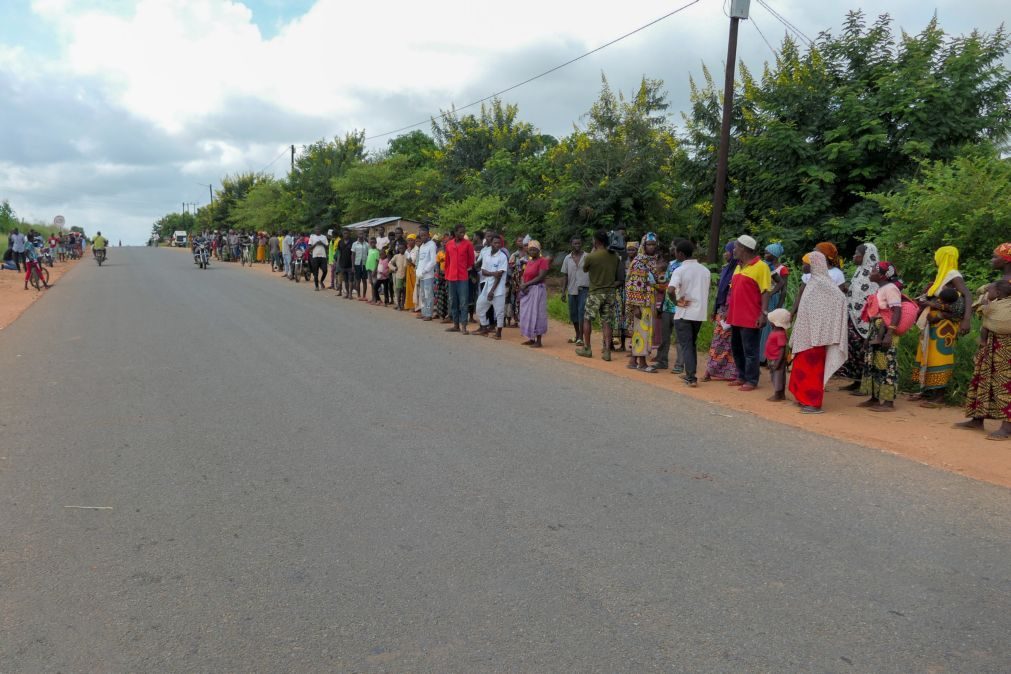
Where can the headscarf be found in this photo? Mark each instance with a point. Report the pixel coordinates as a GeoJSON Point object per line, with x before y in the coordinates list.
{"type": "Point", "coordinates": [861, 288]}
{"type": "Point", "coordinates": [726, 275]}
{"type": "Point", "coordinates": [641, 277]}
{"type": "Point", "coordinates": [887, 269]}
{"type": "Point", "coordinates": [830, 252]}
{"type": "Point", "coordinates": [822, 318]}
{"type": "Point", "coordinates": [946, 258]}
{"type": "Point", "coordinates": [534, 243]}
{"type": "Point", "coordinates": [412, 237]}
{"type": "Point", "coordinates": [1003, 251]}
{"type": "Point", "coordinates": [775, 249]}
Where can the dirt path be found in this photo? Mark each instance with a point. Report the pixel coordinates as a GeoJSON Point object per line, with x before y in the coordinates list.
{"type": "Point", "coordinates": [14, 299]}
{"type": "Point", "coordinates": [923, 435]}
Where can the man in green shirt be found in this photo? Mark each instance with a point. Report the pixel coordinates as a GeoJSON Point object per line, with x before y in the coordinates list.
{"type": "Point", "coordinates": [602, 267]}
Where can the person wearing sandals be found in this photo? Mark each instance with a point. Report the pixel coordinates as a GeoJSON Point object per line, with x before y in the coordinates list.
{"type": "Point", "coordinates": [534, 296]}
{"type": "Point", "coordinates": [820, 337]}
{"type": "Point", "coordinates": [492, 289]}
{"type": "Point", "coordinates": [989, 394]}
{"type": "Point", "coordinates": [748, 310]}
{"type": "Point", "coordinates": [640, 288]}
{"type": "Point", "coordinates": [577, 286]}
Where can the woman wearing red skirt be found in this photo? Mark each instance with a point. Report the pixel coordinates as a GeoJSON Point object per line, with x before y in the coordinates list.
{"type": "Point", "coordinates": [820, 339]}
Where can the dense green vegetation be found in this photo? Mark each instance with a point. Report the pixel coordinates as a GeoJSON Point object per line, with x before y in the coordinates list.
{"type": "Point", "coordinates": [864, 134]}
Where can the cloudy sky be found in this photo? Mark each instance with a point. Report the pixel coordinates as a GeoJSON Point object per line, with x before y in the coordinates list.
{"type": "Point", "coordinates": [115, 112]}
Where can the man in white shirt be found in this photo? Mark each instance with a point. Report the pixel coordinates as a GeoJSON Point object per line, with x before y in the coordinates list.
{"type": "Point", "coordinates": [382, 241]}
{"type": "Point", "coordinates": [427, 252]}
{"type": "Point", "coordinates": [318, 248]}
{"type": "Point", "coordinates": [689, 286]}
{"type": "Point", "coordinates": [286, 244]}
{"type": "Point", "coordinates": [492, 288]}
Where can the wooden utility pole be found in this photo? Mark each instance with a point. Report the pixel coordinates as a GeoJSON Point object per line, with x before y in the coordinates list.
{"type": "Point", "coordinates": [292, 158]}
{"type": "Point", "coordinates": [738, 11]}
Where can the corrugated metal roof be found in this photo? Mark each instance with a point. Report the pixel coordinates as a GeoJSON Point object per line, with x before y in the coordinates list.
{"type": "Point", "coordinates": [374, 222]}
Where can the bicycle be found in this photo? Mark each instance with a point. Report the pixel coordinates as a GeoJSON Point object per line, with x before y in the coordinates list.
{"type": "Point", "coordinates": [247, 257]}
{"type": "Point", "coordinates": [38, 275]}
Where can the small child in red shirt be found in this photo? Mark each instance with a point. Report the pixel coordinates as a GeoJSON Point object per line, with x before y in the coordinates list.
{"type": "Point", "coordinates": [775, 352]}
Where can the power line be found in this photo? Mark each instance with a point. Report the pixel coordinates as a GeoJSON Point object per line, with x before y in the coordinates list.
{"type": "Point", "coordinates": [755, 24]}
{"type": "Point", "coordinates": [785, 22]}
{"type": "Point", "coordinates": [274, 160]}
{"type": "Point", "coordinates": [536, 77]}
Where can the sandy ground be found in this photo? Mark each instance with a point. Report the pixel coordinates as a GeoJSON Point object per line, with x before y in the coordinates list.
{"type": "Point", "coordinates": [923, 435]}
{"type": "Point", "coordinates": [14, 299]}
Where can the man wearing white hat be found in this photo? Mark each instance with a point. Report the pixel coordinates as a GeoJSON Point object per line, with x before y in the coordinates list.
{"type": "Point", "coordinates": [748, 311]}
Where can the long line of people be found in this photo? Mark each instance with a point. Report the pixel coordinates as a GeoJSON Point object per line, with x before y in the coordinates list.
{"type": "Point", "coordinates": [646, 303]}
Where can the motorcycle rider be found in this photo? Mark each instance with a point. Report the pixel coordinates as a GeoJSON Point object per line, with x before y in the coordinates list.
{"type": "Point", "coordinates": [99, 243]}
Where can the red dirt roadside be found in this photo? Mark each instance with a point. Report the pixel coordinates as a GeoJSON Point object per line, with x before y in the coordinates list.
{"type": "Point", "coordinates": [14, 299]}
{"type": "Point", "coordinates": [923, 435]}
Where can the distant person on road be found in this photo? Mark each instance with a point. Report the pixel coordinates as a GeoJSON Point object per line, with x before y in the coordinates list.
{"type": "Point", "coordinates": [331, 259]}
{"type": "Point", "coordinates": [318, 247]}
{"type": "Point", "coordinates": [274, 250]}
{"type": "Point", "coordinates": [775, 352]}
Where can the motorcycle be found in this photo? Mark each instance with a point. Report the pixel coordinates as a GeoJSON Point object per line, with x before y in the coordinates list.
{"type": "Point", "coordinates": [202, 256]}
{"type": "Point", "coordinates": [100, 256]}
{"type": "Point", "coordinates": [47, 256]}
{"type": "Point", "coordinates": [298, 265]}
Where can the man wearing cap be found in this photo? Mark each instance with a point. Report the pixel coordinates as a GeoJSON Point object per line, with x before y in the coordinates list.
{"type": "Point", "coordinates": [748, 309]}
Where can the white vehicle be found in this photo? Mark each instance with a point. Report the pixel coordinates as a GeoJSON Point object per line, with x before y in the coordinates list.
{"type": "Point", "coordinates": [179, 238]}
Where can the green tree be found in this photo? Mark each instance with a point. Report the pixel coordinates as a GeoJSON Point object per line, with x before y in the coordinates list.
{"type": "Point", "coordinates": [314, 200]}
{"type": "Point", "coordinates": [964, 203]}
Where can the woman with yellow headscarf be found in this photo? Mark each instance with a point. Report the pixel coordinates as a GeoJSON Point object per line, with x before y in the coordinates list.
{"type": "Point", "coordinates": [410, 300]}
{"type": "Point", "coordinates": [946, 313]}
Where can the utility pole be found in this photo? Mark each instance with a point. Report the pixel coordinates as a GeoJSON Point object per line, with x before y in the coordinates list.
{"type": "Point", "coordinates": [738, 10]}
{"type": "Point", "coordinates": [210, 192]}
{"type": "Point", "coordinates": [292, 158]}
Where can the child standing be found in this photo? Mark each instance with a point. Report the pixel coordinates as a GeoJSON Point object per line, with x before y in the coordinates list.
{"type": "Point", "coordinates": [372, 266]}
{"type": "Point", "coordinates": [775, 352]}
{"type": "Point", "coordinates": [398, 266]}
{"type": "Point", "coordinates": [383, 275]}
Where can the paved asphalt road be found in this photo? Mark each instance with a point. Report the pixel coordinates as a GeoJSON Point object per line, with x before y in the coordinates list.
{"type": "Point", "coordinates": [299, 483]}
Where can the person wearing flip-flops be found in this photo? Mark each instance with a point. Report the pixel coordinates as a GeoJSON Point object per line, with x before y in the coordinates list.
{"type": "Point", "coordinates": [750, 288]}
{"type": "Point", "coordinates": [640, 292]}
{"type": "Point", "coordinates": [577, 287]}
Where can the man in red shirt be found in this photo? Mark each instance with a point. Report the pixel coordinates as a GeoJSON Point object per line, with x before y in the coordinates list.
{"type": "Point", "coordinates": [459, 262]}
{"type": "Point", "coordinates": [748, 310]}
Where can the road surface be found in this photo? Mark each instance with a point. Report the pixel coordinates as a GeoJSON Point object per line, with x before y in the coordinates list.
{"type": "Point", "coordinates": [300, 483]}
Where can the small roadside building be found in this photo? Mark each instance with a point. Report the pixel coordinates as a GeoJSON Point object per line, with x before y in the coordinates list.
{"type": "Point", "coordinates": [388, 223]}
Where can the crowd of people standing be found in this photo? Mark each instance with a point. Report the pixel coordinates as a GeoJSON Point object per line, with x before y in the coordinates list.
{"type": "Point", "coordinates": [648, 304]}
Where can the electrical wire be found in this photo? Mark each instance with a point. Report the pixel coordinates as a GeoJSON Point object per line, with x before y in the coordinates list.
{"type": "Point", "coordinates": [767, 44]}
{"type": "Point", "coordinates": [785, 22]}
{"type": "Point", "coordinates": [535, 77]}
{"type": "Point", "coordinates": [274, 160]}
